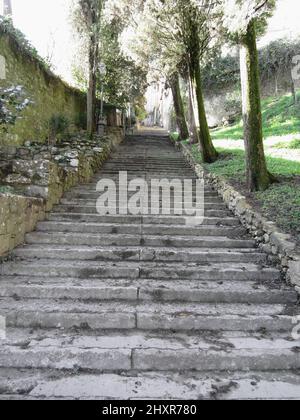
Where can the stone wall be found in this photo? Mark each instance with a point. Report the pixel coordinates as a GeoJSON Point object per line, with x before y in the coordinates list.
{"type": "Point", "coordinates": [39, 176]}
{"type": "Point", "coordinates": [280, 247]}
{"type": "Point", "coordinates": [18, 216]}
{"type": "Point", "coordinates": [50, 95]}
{"type": "Point", "coordinates": [216, 103]}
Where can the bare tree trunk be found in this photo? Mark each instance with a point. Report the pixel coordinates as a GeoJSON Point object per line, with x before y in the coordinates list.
{"type": "Point", "coordinates": [194, 135]}
{"type": "Point", "coordinates": [91, 94]}
{"type": "Point", "coordinates": [209, 152]}
{"type": "Point", "coordinates": [276, 84]}
{"type": "Point", "coordinates": [92, 14]}
{"type": "Point", "coordinates": [258, 177]}
{"type": "Point", "coordinates": [179, 107]}
{"type": "Point", "coordinates": [293, 90]}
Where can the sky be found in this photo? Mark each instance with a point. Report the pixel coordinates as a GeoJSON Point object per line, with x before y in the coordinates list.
{"type": "Point", "coordinates": [46, 23]}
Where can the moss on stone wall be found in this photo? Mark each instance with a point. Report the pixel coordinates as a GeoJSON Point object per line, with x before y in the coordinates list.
{"type": "Point", "coordinates": [51, 96]}
{"type": "Point", "coordinates": [19, 214]}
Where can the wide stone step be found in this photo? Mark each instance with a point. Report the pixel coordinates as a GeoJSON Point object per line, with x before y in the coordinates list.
{"type": "Point", "coordinates": [94, 195]}
{"type": "Point", "coordinates": [135, 339]}
{"type": "Point", "coordinates": [132, 270]}
{"type": "Point", "coordinates": [152, 386]}
{"type": "Point", "coordinates": [158, 220]}
{"type": "Point", "coordinates": [144, 290]}
{"type": "Point", "coordinates": [91, 188]}
{"type": "Point", "coordinates": [47, 314]}
{"type": "Point", "coordinates": [33, 384]}
{"type": "Point", "coordinates": [150, 170]}
{"type": "Point", "coordinates": [175, 169]}
{"type": "Point", "coordinates": [145, 211]}
{"type": "Point", "coordinates": [141, 240]}
{"type": "Point", "coordinates": [145, 229]}
{"type": "Point", "coordinates": [129, 253]}
{"type": "Point", "coordinates": [90, 206]}
{"type": "Point", "coordinates": [151, 359]}
{"type": "Point", "coordinates": [146, 175]}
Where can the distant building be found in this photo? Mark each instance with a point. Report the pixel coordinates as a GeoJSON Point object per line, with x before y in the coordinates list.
{"type": "Point", "coordinates": [159, 105]}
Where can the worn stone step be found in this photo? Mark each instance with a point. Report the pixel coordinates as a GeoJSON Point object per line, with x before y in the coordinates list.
{"type": "Point", "coordinates": [160, 340]}
{"type": "Point", "coordinates": [155, 172]}
{"type": "Point", "coordinates": [47, 314]}
{"type": "Point", "coordinates": [90, 206]}
{"type": "Point", "coordinates": [150, 359]}
{"type": "Point", "coordinates": [74, 239]}
{"type": "Point", "coordinates": [145, 290]}
{"type": "Point", "coordinates": [91, 188]}
{"type": "Point", "coordinates": [189, 199]}
{"type": "Point", "coordinates": [176, 171]}
{"type": "Point", "coordinates": [158, 220]}
{"type": "Point", "coordinates": [204, 231]}
{"type": "Point", "coordinates": [147, 175]}
{"type": "Point", "coordinates": [133, 270]}
{"type": "Point", "coordinates": [93, 195]}
{"type": "Point", "coordinates": [139, 164]}
{"type": "Point", "coordinates": [90, 199]}
{"type": "Point", "coordinates": [144, 211]}
{"type": "Point", "coordinates": [178, 310]}
{"type": "Point", "coordinates": [129, 253]}
{"type": "Point", "coordinates": [151, 386]}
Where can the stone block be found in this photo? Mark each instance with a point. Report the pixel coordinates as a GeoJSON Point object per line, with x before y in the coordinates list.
{"type": "Point", "coordinates": [294, 272]}
{"type": "Point", "coordinates": [4, 244]}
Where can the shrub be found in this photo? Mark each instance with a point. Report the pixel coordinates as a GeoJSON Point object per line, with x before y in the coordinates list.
{"type": "Point", "coordinates": [58, 126]}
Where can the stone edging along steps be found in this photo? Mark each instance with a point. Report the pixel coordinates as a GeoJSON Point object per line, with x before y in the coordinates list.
{"type": "Point", "coordinates": [276, 244]}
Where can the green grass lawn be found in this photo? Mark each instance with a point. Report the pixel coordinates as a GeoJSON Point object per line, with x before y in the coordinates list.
{"type": "Point", "coordinates": [280, 118]}
{"type": "Point", "coordinates": [280, 203]}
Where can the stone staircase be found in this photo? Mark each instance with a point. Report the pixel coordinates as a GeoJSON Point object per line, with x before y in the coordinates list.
{"type": "Point", "coordinates": [145, 307]}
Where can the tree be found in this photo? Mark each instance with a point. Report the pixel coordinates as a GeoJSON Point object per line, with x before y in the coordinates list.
{"type": "Point", "coordinates": [196, 19]}
{"type": "Point", "coordinates": [178, 106]}
{"type": "Point", "coordinates": [243, 20]}
{"type": "Point", "coordinates": [125, 81]}
{"type": "Point", "coordinates": [88, 15]}
{"type": "Point", "coordinates": [178, 31]}
{"type": "Point", "coordinates": [150, 51]}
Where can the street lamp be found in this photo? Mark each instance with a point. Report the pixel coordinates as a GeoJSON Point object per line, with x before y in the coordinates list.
{"type": "Point", "coordinates": [103, 72]}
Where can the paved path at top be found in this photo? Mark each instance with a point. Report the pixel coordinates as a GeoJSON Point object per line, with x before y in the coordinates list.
{"type": "Point", "coordinates": [145, 306]}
